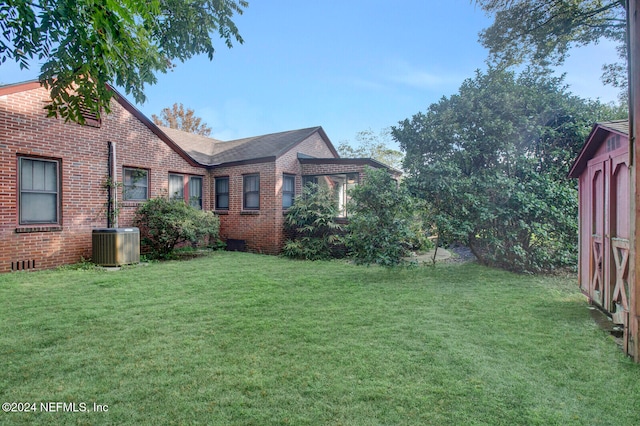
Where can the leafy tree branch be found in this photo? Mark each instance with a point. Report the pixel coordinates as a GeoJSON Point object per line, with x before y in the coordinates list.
{"type": "Point", "coordinates": [85, 45]}
{"type": "Point", "coordinates": [541, 32]}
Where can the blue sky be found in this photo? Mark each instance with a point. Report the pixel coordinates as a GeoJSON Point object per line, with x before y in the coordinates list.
{"type": "Point", "coordinates": [346, 65]}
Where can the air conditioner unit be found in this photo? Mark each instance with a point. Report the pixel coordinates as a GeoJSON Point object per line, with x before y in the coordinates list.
{"type": "Point", "coordinates": [116, 246]}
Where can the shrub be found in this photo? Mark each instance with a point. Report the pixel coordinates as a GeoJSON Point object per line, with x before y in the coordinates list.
{"type": "Point", "coordinates": [380, 221]}
{"type": "Point", "coordinates": [165, 224]}
{"type": "Point", "coordinates": [311, 224]}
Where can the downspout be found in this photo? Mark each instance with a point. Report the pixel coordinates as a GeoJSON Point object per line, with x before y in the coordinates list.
{"type": "Point", "coordinates": [114, 193]}
{"type": "Point", "coordinates": [109, 185]}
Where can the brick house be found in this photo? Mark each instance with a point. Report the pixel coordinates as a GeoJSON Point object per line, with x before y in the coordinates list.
{"type": "Point", "coordinates": [53, 174]}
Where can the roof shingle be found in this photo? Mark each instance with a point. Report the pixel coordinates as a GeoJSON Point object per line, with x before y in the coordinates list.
{"type": "Point", "coordinates": [211, 151]}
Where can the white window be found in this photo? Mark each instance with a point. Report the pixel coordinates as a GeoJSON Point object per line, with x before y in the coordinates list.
{"type": "Point", "coordinates": [39, 191]}
{"type": "Point", "coordinates": [340, 184]}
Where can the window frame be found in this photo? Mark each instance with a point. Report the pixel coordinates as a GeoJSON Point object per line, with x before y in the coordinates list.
{"type": "Point", "coordinates": [245, 193]}
{"type": "Point", "coordinates": [186, 187]}
{"type": "Point", "coordinates": [346, 181]}
{"type": "Point", "coordinates": [292, 193]}
{"type": "Point", "coordinates": [57, 192]}
{"type": "Point", "coordinates": [172, 196]}
{"type": "Point", "coordinates": [199, 203]}
{"type": "Point", "coordinates": [134, 184]}
{"type": "Point", "coordinates": [218, 193]}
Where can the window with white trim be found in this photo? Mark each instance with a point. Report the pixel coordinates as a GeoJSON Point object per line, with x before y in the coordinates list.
{"type": "Point", "coordinates": [39, 191]}
{"type": "Point", "coordinates": [340, 184]}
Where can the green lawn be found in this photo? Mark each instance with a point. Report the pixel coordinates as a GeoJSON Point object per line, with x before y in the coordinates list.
{"type": "Point", "coordinates": [235, 338]}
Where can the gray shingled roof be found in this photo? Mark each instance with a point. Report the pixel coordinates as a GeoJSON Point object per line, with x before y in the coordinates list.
{"type": "Point", "coordinates": [205, 151]}
{"type": "Point", "coordinates": [199, 147]}
{"type": "Point", "coordinates": [621, 126]}
{"type": "Point", "coordinates": [211, 151]}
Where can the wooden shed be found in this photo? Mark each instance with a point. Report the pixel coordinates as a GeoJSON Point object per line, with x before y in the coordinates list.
{"type": "Point", "coordinates": [602, 170]}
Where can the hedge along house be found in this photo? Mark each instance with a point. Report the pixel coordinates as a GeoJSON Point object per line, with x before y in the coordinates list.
{"type": "Point", "coordinates": [602, 170]}
{"type": "Point", "coordinates": [53, 177]}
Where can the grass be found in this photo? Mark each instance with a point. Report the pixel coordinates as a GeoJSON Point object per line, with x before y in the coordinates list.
{"type": "Point", "coordinates": [235, 338]}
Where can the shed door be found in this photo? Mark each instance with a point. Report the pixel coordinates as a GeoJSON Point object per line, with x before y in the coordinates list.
{"type": "Point", "coordinates": [596, 267]}
{"type": "Point", "coordinates": [619, 233]}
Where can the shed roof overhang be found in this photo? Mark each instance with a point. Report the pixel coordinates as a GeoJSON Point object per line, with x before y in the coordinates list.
{"type": "Point", "coordinates": [597, 136]}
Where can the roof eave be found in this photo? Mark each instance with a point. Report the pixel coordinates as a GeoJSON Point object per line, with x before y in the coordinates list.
{"type": "Point", "coordinates": [360, 161]}
{"type": "Point", "coordinates": [19, 87]}
{"type": "Point", "coordinates": [269, 159]}
{"type": "Point", "coordinates": [312, 130]}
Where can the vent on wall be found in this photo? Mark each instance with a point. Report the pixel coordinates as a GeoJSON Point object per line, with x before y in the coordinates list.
{"type": "Point", "coordinates": [22, 265]}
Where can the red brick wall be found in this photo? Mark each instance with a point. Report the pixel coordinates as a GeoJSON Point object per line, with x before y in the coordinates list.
{"type": "Point", "coordinates": [82, 152]}
{"type": "Point", "coordinates": [288, 163]}
{"type": "Point", "coordinates": [255, 227]}
{"type": "Point", "coordinates": [262, 230]}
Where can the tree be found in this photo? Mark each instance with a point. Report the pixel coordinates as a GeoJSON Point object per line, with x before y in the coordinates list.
{"type": "Point", "coordinates": [492, 162]}
{"type": "Point", "coordinates": [86, 44]}
{"type": "Point", "coordinates": [379, 228]}
{"type": "Point", "coordinates": [541, 32]}
{"type": "Point", "coordinates": [372, 146]}
{"type": "Point", "coordinates": [176, 118]}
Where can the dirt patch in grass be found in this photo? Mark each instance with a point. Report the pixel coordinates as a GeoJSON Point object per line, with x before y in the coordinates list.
{"type": "Point", "coordinates": [457, 254]}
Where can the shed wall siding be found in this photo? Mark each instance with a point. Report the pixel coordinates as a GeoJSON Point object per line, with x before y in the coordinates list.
{"type": "Point", "coordinates": [603, 190]}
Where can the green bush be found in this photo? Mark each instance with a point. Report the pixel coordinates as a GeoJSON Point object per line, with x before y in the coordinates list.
{"type": "Point", "coordinates": [165, 224]}
{"type": "Point", "coordinates": [380, 221]}
{"type": "Point", "coordinates": [492, 161]}
{"type": "Point", "coordinates": [311, 225]}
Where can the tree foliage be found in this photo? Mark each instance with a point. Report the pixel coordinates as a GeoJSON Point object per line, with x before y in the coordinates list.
{"type": "Point", "coordinates": [370, 145]}
{"type": "Point", "coordinates": [492, 161]}
{"type": "Point", "coordinates": [311, 225]}
{"type": "Point", "coordinates": [86, 44]}
{"type": "Point", "coordinates": [541, 32]}
{"type": "Point", "coordinates": [165, 223]}
{"type": "Point", "coordinates": [177, 118]}
{"type": "Point", "coordinates": [379, 229]}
